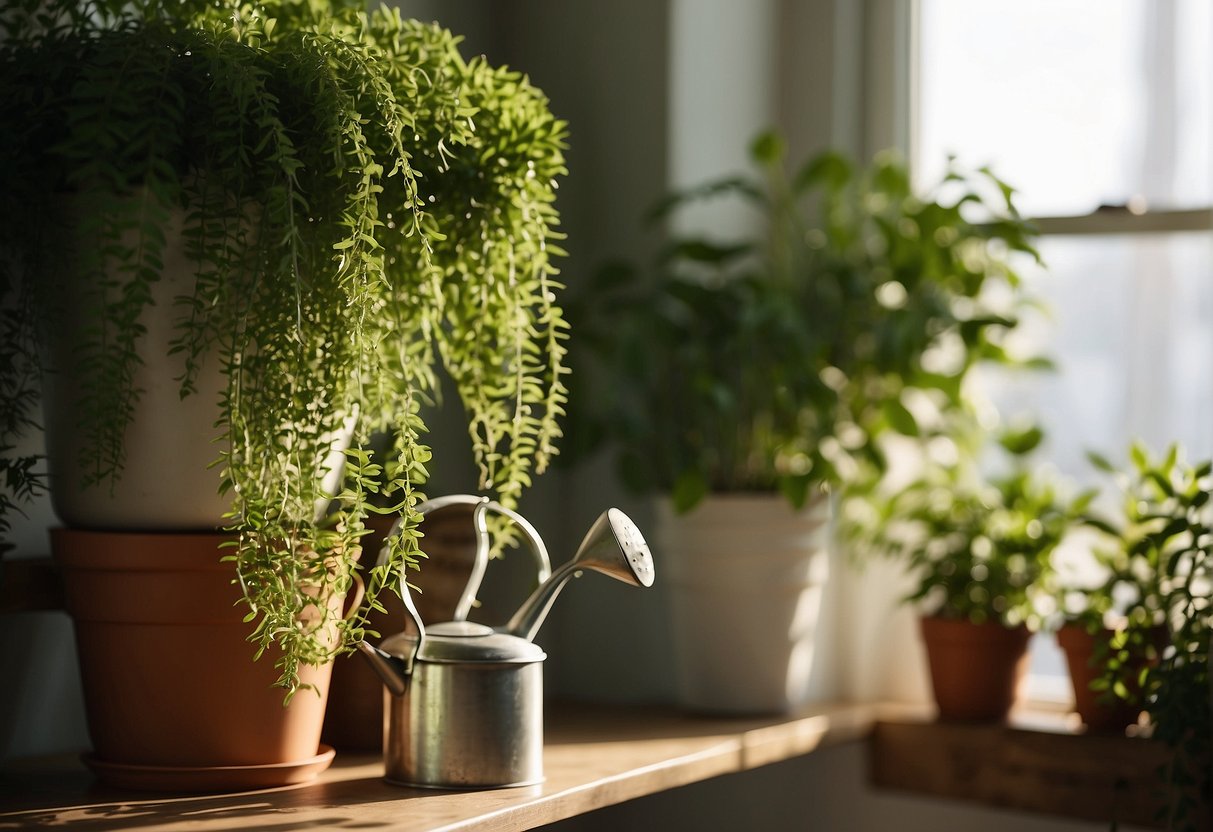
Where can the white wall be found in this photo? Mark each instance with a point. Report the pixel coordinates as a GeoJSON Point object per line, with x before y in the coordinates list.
{"type": "Point", "coordinates": [722, 67]}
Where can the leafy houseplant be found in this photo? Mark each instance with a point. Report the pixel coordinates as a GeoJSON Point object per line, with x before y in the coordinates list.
{"type": "Point", "coordinates": [1162, 575]}
{"type": "Point", "coordinates": [744, 378]}
{"type": "Point", "coordinates": [1094, 616]}
{"type": "Point", "coordinates": [774, 363]}
{"type": "Point", "coordinates": [979, 549]}
{"type": "Point", "coordinates": [361, 207]}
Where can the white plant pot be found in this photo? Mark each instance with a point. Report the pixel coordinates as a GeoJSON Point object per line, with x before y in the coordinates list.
{"type": "Point", "coordinates": [745, 575]}
{"type": "Point", "coordinates": [167, 481]}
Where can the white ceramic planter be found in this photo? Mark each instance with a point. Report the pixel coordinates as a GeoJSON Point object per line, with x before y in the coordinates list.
{"type": "Point", "coordinates": [167, 482]}
{"type": "Point", "coordinates": [745, 576]}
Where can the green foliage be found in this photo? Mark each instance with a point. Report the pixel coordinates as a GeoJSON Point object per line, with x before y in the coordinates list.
{"type": "Point", "coordinates": [979, 546]}
{"type": "Point", "coordinates": [1130, 549]}
{"type": "Point", "coordinates": [363, 207]}
{"type": "Point", "coordinates": [20, 477]}
{"type": "Point", "coordinates": [776, 362]}
{"type": "Point", "coordinates": [1162, 562]}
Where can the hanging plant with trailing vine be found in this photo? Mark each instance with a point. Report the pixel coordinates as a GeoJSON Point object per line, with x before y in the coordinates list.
{"type": "Point", "coordinates": [363, 207]}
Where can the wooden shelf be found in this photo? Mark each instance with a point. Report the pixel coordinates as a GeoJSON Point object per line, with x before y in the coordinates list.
{"type": "Point", "coordinates": [1054, 771]}
{"type": "Point", "coordinates": [595, 756]}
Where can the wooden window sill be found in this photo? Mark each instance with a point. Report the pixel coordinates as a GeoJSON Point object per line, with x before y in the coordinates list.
{"type": "Point", "coordinates": [1038, 763]}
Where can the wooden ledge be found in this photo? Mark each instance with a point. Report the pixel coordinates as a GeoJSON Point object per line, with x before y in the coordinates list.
{"type": "Point", "coordinates": [1062, 773]}
{"type": "Point", "coordinates": [595, 756]}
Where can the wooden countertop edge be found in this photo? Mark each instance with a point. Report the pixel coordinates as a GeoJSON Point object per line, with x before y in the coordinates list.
{"type": "Point", "coordinates": [605, 791]}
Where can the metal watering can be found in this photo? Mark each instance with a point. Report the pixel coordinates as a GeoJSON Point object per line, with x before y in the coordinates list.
{"type": "Point", "coordinates": [464, 701]}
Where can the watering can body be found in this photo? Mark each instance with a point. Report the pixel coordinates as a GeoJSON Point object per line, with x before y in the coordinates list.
{"type": "Point", "coordinates": [471, 712]}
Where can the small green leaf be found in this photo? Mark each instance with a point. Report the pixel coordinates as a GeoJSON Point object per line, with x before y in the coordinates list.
{"type": "Point", "coordinates": [1021, 442]}
{"type": "Point", "coordinates": [1139, 456]}
{"type": "Point", "coordinates": [900, 418]}
{"type": "Point", "coordinates": [1160, 480]}
{"type": "Point", "coordinates": [768, 148]}
{"type": "Point", "coordinates": [795, 490]}
{"type": "Point", "coordinates": [830, 169]}
{"type": "Point", "coordinates": [689, 489]}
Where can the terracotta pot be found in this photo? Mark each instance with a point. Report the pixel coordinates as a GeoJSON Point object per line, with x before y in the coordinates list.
{"type": "Point", "coordinates": [745, 576]}
{"type": "Point", "coordinates": [354, 720]}
{"type": "Point", "coordinates": [169, 679]}
{"type": "Point", "coordinates": [975, 668]}
{"type": "Point", "coordinates": [1079, 646]}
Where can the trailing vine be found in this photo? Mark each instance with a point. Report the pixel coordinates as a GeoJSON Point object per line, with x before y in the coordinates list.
{"type": "Point", "coordinates": [361, 206]}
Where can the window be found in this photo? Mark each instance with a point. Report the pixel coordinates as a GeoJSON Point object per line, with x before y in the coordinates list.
{"type": "Point", "coordinates": [1101, 115]}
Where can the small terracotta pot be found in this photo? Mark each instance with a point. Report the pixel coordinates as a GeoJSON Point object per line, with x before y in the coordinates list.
{"type": "Point", "coordinates": [975, 668]}
{"type": "Point", "coordinates": [1079, 646]}
{"type": "Point", "coordinates": [169, 679]}
{"type": "Point", "coordinates": [354, 720]}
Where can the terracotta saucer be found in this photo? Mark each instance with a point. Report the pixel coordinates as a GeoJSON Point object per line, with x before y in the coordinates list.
{"type": "Point", "coordinates": [209, 778]}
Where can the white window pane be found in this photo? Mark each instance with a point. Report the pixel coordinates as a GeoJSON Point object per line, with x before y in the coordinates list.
{"type": "Point", "coordinates": [1131, 328]}
{"type": "Point", "coordinates": [1075, 103]}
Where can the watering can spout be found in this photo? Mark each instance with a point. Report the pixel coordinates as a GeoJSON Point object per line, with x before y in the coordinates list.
{"type": "Point", "coordinates": [612, 546]}
{"type": "Point", "coordinates": [393, 670]}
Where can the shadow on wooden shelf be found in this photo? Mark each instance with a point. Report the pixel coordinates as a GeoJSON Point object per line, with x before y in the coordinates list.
{"type": "Point", "coordinates": [1086, 776]}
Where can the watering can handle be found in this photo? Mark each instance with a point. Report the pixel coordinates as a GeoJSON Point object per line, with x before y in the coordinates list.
{"type": "Point", "coordinates": [543, 566]}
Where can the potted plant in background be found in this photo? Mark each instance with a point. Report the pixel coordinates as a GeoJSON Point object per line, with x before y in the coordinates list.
{"type": "Point", "coordinates": [1165, 536]}
{"type": "Point", "coordinates": [1095, 634]}
{"type": "Point", "coordinates": [746, 379]}
{"type": "Point", "coordinates": [979, 548]}
{"type": "Point", "coordinates": [291, 216]}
